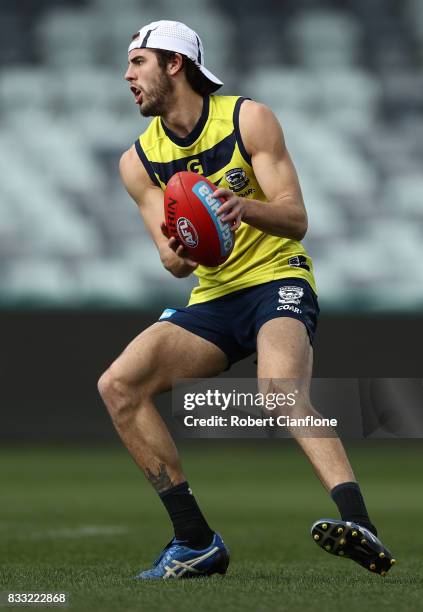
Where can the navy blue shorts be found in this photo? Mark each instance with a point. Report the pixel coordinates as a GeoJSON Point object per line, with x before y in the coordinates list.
{"type": "Point", "coordinates": [233, 321]}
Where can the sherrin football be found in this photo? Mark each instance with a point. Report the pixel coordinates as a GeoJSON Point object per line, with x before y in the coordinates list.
{"type": "Point", "coordinates": [190, 214]}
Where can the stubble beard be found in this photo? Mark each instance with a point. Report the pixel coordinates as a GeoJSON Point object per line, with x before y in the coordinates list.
{"type": "Point", "coordinates": [158, 98]}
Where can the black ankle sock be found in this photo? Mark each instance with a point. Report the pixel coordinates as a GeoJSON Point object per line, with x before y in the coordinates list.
{"type": "Point", "coordinates": [188, 521]}
{"type": "Point", "coordinates": [347, 496]}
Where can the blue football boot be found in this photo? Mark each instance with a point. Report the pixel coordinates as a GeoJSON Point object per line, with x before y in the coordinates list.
{"type": "Point", "coordinates": [352, 541]}
{"type": "Point", "coordinates": [179, 561]}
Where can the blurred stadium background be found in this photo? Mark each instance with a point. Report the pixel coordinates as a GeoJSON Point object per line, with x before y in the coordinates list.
{"type": "Point", "coordinates": [80, 277]}
{"type": "Point", "coordinates": [343, 76]}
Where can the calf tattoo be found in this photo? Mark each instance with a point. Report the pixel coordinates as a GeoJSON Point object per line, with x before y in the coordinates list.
{"type": "Point", "coordinates": [161, 481]}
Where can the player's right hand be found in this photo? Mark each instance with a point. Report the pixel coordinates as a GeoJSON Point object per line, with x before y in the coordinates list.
{"type": "Point", "coordinates": [181, 252]}
{"type": "Point", "coordinates": [178, 264]}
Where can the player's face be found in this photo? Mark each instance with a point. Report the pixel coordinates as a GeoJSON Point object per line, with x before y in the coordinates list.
{"type": "Point", "coordinates": [150, 84]}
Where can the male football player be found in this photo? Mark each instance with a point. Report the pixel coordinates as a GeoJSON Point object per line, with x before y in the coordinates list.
{"type": "Point", "coordinates": [234, 311]}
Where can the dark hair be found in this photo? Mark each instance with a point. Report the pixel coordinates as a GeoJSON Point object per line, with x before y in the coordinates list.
{"type": "Point", "coordinates": [196, 79]}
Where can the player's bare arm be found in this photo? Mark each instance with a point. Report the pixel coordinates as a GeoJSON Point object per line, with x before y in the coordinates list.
{"type": "Point", "coordinates": [262, 300]}
{"type": "Point", "coordinates": [284, 213]}
{"type": "Point", "coordinates": [149, 199]}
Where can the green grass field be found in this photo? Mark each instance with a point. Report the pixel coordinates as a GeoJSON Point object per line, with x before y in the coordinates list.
{"type": "Point", "coordinates": [83, 521]}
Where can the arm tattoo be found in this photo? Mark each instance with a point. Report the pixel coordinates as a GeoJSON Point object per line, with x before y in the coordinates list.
{"type": "Point", "coordinates": [161, 481]}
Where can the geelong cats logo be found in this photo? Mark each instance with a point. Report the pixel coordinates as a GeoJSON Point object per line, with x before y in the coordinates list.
{"type": "Point", "coordinates": [237, 179]}
{"type": "Point", "coordinates": [290, 295]}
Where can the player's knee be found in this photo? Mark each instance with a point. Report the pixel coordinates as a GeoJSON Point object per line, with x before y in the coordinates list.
{"type": "Point", "coordinates": [121, 398]}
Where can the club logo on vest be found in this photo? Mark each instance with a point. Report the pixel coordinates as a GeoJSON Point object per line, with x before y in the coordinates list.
{"type": "Point", "coordinates": [237, 179]}
{"type": "Point", "coordinates": [187, 232]}
{"type": "Point", "coordinates": [194, 165]}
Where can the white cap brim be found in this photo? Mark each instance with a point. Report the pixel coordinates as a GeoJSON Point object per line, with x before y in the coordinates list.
{"type": "Point", "coordinates": [209, 75]}
{"type": "Point", "coordinates": [155, 36]}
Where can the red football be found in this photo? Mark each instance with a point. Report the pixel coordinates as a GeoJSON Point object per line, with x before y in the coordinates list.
{"type": "Point", "coordinates": [190, 213]}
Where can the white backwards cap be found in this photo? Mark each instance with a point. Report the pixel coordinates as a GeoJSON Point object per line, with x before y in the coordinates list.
{"type": "Point", "coordinates": [174, 36]}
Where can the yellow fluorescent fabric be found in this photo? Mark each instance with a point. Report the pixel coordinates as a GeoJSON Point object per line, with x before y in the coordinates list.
{"type": "Point", "coordinates": [215, 150]}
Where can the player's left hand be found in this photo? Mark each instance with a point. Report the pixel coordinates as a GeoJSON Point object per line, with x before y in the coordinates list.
{"type": "Point", "coordinates": [233, 210]}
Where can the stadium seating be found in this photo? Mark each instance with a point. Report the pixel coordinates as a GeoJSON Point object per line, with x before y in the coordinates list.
{"type": "Point", "coordinates": [344, 79]}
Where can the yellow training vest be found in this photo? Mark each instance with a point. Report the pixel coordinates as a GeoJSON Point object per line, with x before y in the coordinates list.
{"type": "Point", "coordinates": [215, 149]}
